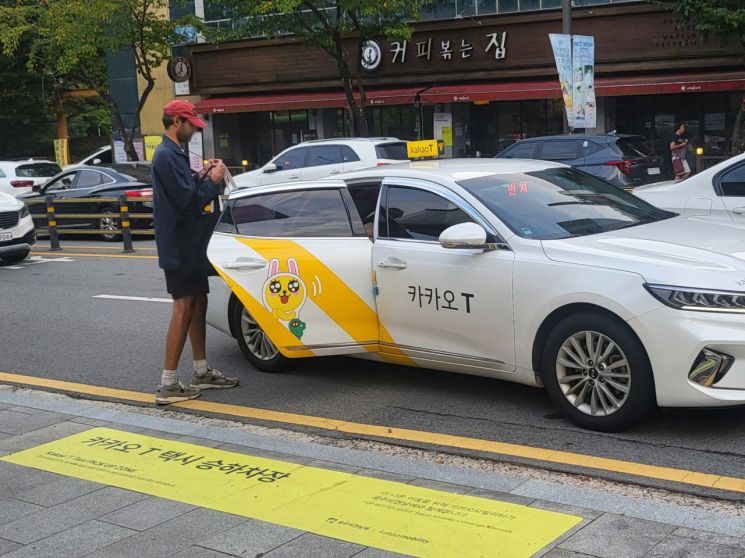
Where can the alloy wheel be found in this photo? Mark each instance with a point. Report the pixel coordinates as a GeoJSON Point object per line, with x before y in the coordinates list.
{"type": "Point", "coordinates": [256, 340]}
{"type": "Point", "coordinates": [594, 373]}
{"type": "Point", "coordinates": [109, 224]}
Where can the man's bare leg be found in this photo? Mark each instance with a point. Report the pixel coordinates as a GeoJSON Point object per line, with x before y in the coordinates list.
{"type": "Point", "coordinates": [183, 312]}
{"type": "Point", "coordinates": [198, 328]}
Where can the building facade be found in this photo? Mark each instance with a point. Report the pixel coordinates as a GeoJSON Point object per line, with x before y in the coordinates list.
{"type": "Point", "coordinates": [483, 71]}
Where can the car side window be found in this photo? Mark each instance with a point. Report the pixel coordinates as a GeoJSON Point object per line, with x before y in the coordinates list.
{"type": "Point", "coordinates": [293, 159]}
{"type": "Point", "coordinates": [560, 150]}
{"type": "Point", "coordinates": [2, 174]}
{"type": "Point", "coordinates": [521, 150]}
{"type": "Point", "coordinates": [321, 155]}
{"type": "Point", "coordinates": [295, 213]}
{"type": "Point", "coordinates": [416, 214]}
{"type": "Point", "coordinates": [732, 182]}
{"type": "Point", "coordinates": [589, 147]}
{"type": "Point", "coordinates": [348, 154]}
{"type": "Point", "coordinates": [88, 179]}
{"type": "Point", "coordinates": [64, 182]}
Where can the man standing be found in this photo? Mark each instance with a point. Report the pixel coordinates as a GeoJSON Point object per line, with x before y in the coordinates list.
{"type": "Point", "coordinates": [679, 151]}
{"type": "Point", "coordinates": [183, 224]}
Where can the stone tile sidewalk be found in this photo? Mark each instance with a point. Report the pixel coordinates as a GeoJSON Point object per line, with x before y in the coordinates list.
{"type": "Point", "coordinates": [43, 514]}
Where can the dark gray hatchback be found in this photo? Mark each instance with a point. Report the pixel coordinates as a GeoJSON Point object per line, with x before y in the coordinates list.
{"type": "Point", "coordinates": [623, 160]}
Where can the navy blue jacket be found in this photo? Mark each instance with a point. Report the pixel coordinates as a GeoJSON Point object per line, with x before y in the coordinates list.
{"type": "Point", "coordinates": [182, 230]}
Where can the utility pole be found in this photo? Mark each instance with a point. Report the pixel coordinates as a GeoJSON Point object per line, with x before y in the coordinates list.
{"type": "Point", "coordinates": [566, 17]}
{"type": "Point", "coordinates": [566, 29]}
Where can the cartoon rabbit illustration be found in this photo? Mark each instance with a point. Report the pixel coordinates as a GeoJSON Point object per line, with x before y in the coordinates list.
{"type": "Point", "coordinates": [284, 292]}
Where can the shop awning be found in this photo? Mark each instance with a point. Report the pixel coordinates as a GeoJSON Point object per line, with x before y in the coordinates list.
{"type": "Point", "coordinates": [302, 100]}
{"type": "Point", "coordinates": [672, 83]}
{"type": "Point", "coordinates": [479, 92]}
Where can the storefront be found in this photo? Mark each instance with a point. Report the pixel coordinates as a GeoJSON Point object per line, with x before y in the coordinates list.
{"type": "Point", "coordinates": [486, 80]}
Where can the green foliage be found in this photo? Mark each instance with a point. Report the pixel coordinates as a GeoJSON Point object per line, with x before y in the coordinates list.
{"type": "Point", "coordinates": [327, 25]}
{"type": "Point", "coordinates": [720, 18]}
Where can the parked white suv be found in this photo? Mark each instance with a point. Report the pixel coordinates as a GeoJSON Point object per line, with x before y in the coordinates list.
{"type": "Point", "coordinates": [101, 156]}
{"type": "Point", "coordinates": [316, 159]}
{"type": "Point", "coordinates": [19, 177]}
{"type": "Point", "coordinates": [17, 234]}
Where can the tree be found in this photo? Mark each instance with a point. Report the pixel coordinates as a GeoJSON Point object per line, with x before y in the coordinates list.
{"type": "Point", "coordinates": [329, 25]}
{"type": "Point", "coordinates": [71, 38]}
{"type": "Point", "coordinates": [724, 19]}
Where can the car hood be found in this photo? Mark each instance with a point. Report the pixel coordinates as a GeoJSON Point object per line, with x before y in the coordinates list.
{"type": "Point", "coordinates": [680, 251]}
{"type": "Point", "coordinates": [247, 179]}
{"type": "Point", "coordinates": [9, 203]}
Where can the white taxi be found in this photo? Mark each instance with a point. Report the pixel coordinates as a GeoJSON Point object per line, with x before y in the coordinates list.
{"type": "Point", "coordinates": [526, 271]}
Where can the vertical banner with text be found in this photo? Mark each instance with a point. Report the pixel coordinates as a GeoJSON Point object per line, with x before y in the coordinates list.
{"type": "Point", "coordinates": [562, 47]}
{"type": "Point", "coordinates": [583, 64]}
{"type": "Point", "coordinates": [61, 152]}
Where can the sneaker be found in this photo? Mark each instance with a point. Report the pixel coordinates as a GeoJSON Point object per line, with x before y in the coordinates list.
{"type": "Point", "coordinates": [175, 393]}
{"type": "Point", "coordinates": [213, 379]}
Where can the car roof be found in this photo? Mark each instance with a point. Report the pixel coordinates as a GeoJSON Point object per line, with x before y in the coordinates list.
{"type": "Point", "coordinates": [20, 162]}
{"type": "Point", "coordinates": [434, 169]}
{"type": "Point", "coordinates": [603, 137]}
{"type": "Point", "coordinates": [342, 140]}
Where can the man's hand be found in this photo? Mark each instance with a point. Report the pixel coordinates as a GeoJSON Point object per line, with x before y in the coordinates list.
{"type": "Point", "coordinates": [217, 174]}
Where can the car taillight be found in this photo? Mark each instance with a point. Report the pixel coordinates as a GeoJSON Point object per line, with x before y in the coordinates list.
{"type": "Point", "coordinates": [623, 166]}
{"type": "Point", "coordinates": [143, 193]}
{"type": "Point", "coordinates": [22, 183]}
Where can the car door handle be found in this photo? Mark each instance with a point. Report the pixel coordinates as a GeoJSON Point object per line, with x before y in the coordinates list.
{"type": "Point", "coordinates": [393, 263]}
{"type": "Point", "coordinates": [334, 171]}
{"type": "Point", "coordinates": [738, 210]}
{"type": "Point", "coordinates": [245, 264]}
{"type": "Point", "coordinates": [294, 176]}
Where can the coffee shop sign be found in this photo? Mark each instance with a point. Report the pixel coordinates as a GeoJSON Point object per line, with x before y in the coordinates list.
{"type": "Point", "coordinates": [399, 52]}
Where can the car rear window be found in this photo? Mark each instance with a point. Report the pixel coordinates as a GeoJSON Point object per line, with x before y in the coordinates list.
{"type": "Point", "coordinates": [393, 150]}
{"type": "Point", "coordinates": [633, 147]}
{"type": "Point", "coordinates": [135, 173]}
{"type": "Point", "coordinates": [37, 170]}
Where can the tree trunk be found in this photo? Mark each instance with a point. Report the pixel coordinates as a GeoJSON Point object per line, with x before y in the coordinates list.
{"type": "Point", "coordinates": [355, 112]}
{"type": "Point", "coordinates": [129, 146]}
{"type": "Point", "coordinates": [738, 134]}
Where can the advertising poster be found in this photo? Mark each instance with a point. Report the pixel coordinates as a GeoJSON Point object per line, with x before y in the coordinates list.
{"type": "Point", "coordinates": [583, 63]}
{"type": "Point", "coordinates": [120, 155]}
{"type": "Point", "coordinates": [61, 152]}
{"type": "Point", "coordinates": [151, 144]}
{"type": "Point", "coordinates": [443, 128]}
{"type": "Point", "coordinates": [562, 47]}
{"type": "Point", "coordinates": [196, 152]}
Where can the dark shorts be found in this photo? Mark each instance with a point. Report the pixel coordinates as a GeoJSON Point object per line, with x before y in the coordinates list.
{"type": "Point", "coordinates": [179, 285]}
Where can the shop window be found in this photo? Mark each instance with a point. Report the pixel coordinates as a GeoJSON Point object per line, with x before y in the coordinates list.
{"type": "Point", "coordinates": [485, 7]}
{"type": "Point", "coordinates": [507, 6]}
{"type": "Point", "coordinates": [308, 213]}
{"type": "Point", "coordinates": [526, 5]}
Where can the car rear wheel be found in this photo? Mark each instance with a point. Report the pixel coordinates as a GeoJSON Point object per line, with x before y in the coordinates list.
{"type": "Point", "coordinates": [109, 224]}
{"type": "Point", "coordinates": [597, 372]}
{"type": "Point", "coordinates": [15, 258]}
{"type": "Point", "coordinates": [255, 344]}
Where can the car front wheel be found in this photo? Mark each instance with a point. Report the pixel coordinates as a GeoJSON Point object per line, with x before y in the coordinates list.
{"type": "Point", "coordinates": [255, 344]}
{"type": "Point", "coordinates": [597, 372]}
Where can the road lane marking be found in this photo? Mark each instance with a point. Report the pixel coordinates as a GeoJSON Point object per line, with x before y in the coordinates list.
{"type": "Point", "coordinates": [656, 472]}
{"type": "Point", "coordinates": [11, 267]}
{"type": "Point", "coordinates": [81, 255]}
{"type": "Point", "coordinates": [389, 515]}
{"type": "Point", "coordinates": [137, 298]}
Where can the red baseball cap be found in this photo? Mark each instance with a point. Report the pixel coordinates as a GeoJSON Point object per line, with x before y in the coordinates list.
{"type": "Point", "coordinates": [184, 109]}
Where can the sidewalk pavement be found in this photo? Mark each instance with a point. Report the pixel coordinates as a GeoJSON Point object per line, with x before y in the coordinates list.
{"type": "Point", "coordinates": [44, 514]}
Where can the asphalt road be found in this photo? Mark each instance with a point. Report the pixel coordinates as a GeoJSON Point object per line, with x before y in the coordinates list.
{"type": "Point", "coordinates": [53, 327]}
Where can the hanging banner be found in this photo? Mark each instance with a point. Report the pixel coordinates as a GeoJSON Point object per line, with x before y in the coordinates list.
{"type": "Point", "coordinates": [61, 152]}
{"type": "Point", "coordinates": [583, 64]}
{"type": "Point", "coordinates": [562, 47]}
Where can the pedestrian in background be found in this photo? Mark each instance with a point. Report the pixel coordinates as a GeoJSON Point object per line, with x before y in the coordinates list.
{"type": "Point", "coordinates": [182, 231]}
{"type": "Point", "coordinates": [679, 151]}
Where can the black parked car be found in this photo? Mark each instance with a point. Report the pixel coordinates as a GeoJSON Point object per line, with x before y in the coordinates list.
{"type": "Point", "coordinates": [94, 182]}
{"type": "Point", "coordinates": [623, 160]}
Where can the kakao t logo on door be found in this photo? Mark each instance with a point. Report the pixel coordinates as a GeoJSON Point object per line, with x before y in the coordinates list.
{"type": "Point", "coordinates": [284, 295]}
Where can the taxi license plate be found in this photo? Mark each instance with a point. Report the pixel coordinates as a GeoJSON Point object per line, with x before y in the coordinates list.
{"type": "Point", "coordinates": [5, 236]}
{"type": "Point", "coordinates": [653, 170]}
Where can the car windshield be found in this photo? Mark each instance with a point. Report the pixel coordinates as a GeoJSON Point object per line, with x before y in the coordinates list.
{"type": "Point", "coordinates": [560, 203]}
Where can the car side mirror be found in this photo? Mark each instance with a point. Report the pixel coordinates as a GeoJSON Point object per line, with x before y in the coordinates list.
{"type": "Point", "coordinates": [96, 161]}
{"type": "Point", "coordinates": [465, 236]}
{"type": "Point", "coordinates": [270, 167]}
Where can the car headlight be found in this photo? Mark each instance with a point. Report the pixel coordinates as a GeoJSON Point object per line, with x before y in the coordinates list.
{"type": "Point", "coordinates": [703, 300]}
{"type": "Point", "coordinates": [23, 212]}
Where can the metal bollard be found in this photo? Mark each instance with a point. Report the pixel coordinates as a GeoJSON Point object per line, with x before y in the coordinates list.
{"type": "Point", "coordinates": [52, 225]}
{"type": "Point", "coordinates": [125, 224]}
